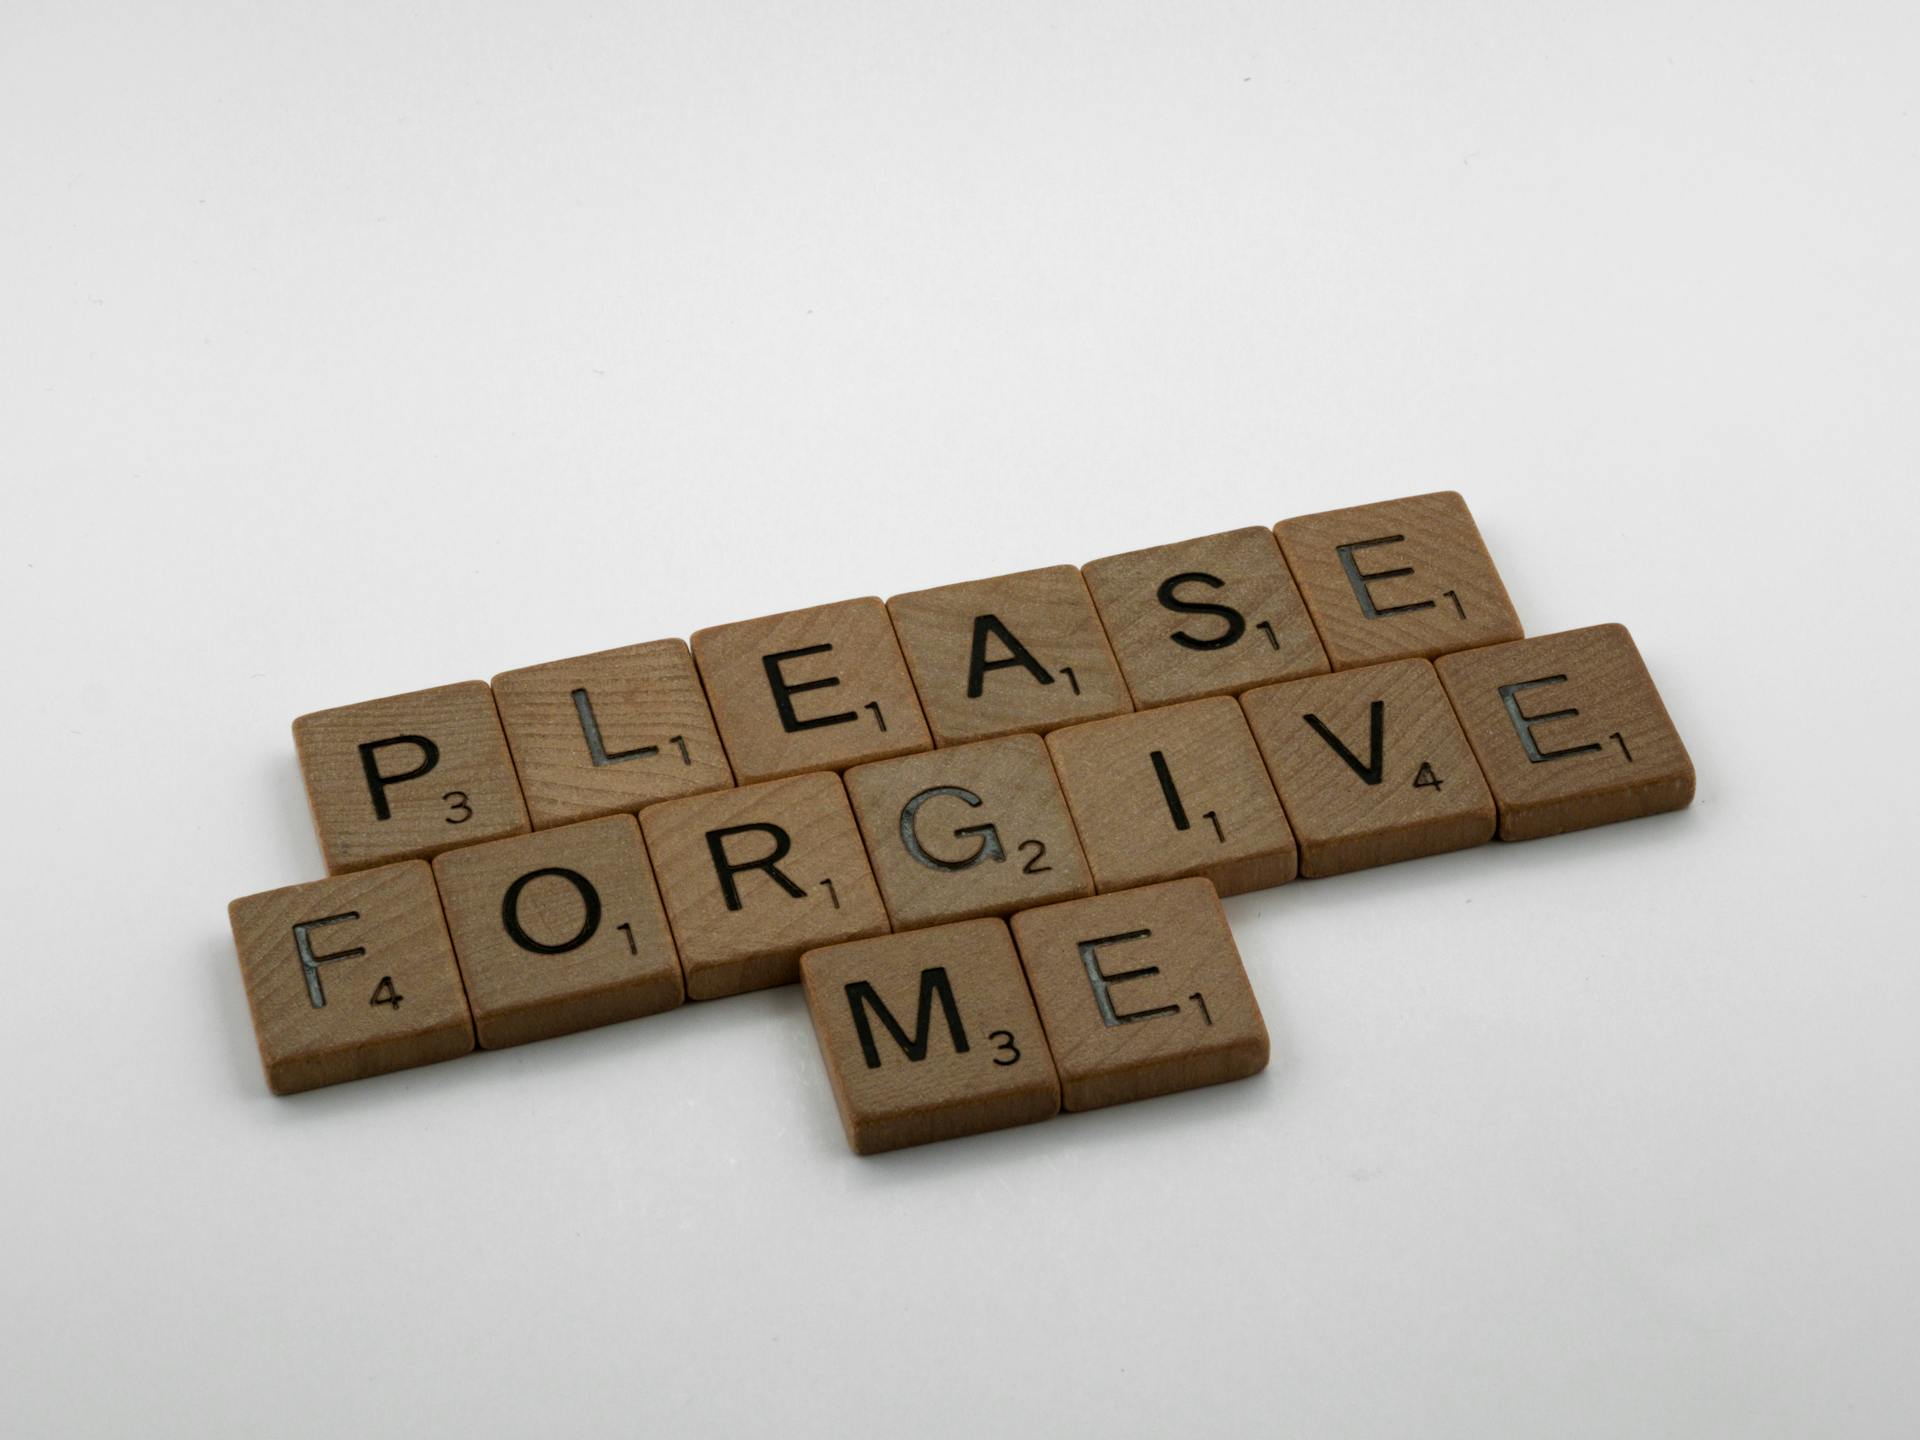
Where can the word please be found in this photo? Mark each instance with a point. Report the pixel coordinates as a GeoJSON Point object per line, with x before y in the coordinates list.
{"type": "Point", "coordinates": [986, 825]}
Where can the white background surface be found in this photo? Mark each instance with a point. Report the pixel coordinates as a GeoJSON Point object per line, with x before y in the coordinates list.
{"type": "Point", "coordinates": [350, 349]}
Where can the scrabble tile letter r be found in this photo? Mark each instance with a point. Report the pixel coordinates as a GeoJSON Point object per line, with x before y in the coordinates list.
{"type": "Point", "coordinates": [1398, 580]}
{"type": "Point", "coordinates": [409, 776]}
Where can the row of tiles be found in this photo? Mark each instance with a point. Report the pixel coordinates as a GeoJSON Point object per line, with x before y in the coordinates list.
{"type": "Point", "coordinates": [1105, 1000]}
{"type": "Point", "coordinates": [722, 892]}
{"type": "Point", "coordinates": [844, 684]}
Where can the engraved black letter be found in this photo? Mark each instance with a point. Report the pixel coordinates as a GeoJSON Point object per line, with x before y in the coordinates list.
{"type": "Point", "coordinates": [1102, 982]}
{"type": "Point", "coordinates": [1236, 622]}
{"type": "Point", "coordinates": [1169, 792]}
{"type": "Point", "coordinates": [861, 995]}
{"type": "Point", "coordinates": [378, 783]}
{"type": "Point", "coordinates": [596, 748]}
{"type": "Point", "coordinates": [1359, 578]}
{"type": "Point", "coordinates": [1017, 654]}
{"type": "Point", "coordinates": [784, 690]}
{"type": "Point", "coordinates": [1523, 723]}
{"type": "Point", "coordinates": [510, 911]}
{"type": "Point", "coordinates": [1376, 759]}
{"type": "Point", "coordinates": [987, 849]}
{"type": "Point", "coordinates": [310, 963]}
{"type": "Point", "coordinates": [726, 869]}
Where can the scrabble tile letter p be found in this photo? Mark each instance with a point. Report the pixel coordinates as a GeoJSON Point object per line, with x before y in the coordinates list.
{"type": "Point", "coordinates": [409, 776]}
{"type": "Point", "coordinates": [996, 657]}
{"type": "Point", "coordinates": [1399, 580]}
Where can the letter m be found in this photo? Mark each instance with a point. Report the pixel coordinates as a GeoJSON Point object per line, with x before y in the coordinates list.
{"type": "Point", "coordinates": [862, 998]}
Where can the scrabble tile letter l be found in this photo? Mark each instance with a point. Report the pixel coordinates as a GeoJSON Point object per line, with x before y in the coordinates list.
{"type": "Point", "coordinates": [409, 776]}
{"type": "Point", "coordinates": [974, 1058]}
{"type": "Point", "coordinates": [350, 977]}
{"type": "Point", "coordinates": [1398, 580]}
{"type": "Point", "coordinates": [611, 731]}
{"type": "Point", "coordinates": [1569, 731]}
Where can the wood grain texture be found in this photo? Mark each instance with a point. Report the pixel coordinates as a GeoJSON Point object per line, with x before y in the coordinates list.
{"type": "Point", "coordinates": [1064, 671]}
{"type": "Point", "coordinates": [1204, 806]}
{"type": "Point", "coordinates": [1419, 793]}
{"type": "Point", "coordinates": [1171, 650]}
{"type": "Point", "coordinates": [837, 670]}
{"type": "Point", "coordinates": [546, 953]}
{"type": "Point", "coordinates": [445, 776]}
{"type": "Point", "coordinates": [382, 992]}
{"type": "Point", "coordinates": [973, 830]}
{"type": "Point", "coordinates": [1142, 993]}
{"type": "Point", "coordinates": [964, 1050]}
{"type": "Point", "coordinates": [1583, 740]}
{"type": "Point", "coordinates": [639, 733]}
{"type": "Point", "coordinates": [798, 874]}
{"type": "Point", "coordinates": [1452, 599]}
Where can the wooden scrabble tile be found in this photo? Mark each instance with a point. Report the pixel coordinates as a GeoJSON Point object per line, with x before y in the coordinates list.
{"type": "Point", "coordinates": [1371, 766]}
{"type": "Point", "coordinates": [974, 830]}
{"type": "Point", "coordinates": [1397, 580]}
{"type": "Point", "coordinates": [1569, 730]}
{"type": "Point", "coordinates": [752, 877]}
{"type": "Point", "coordinates": [929, 1035]}
{"type": "Point", "coordinates": [1173, 792]}
{"type": "Point", "coordinates": [1204, 617]}
{"type": "Point", "coordinates": [1013, 654]}
{"type": "Point", "coordinates": [1142, 993]}
{"type": "Point", "coordinates": [350, 977]}
{"type": "Point", "coordinates": [611, 731]}
{"type": "Point", "coordinates": [409, 776]}
{"type": "Point", "coordinates": [817, 689]}
{"type": "Point", "coordinates": [558, 931]}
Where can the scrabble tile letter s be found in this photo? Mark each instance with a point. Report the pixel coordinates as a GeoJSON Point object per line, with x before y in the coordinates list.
{"type": "Point", "coordinates": [350, 977]}
{"type": "Point", "coordinates": [1398, 580]}
{"type": "Point", "coordinates": [409, 776]}
{"type": "Point", "coordinates": [1204, 617]}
